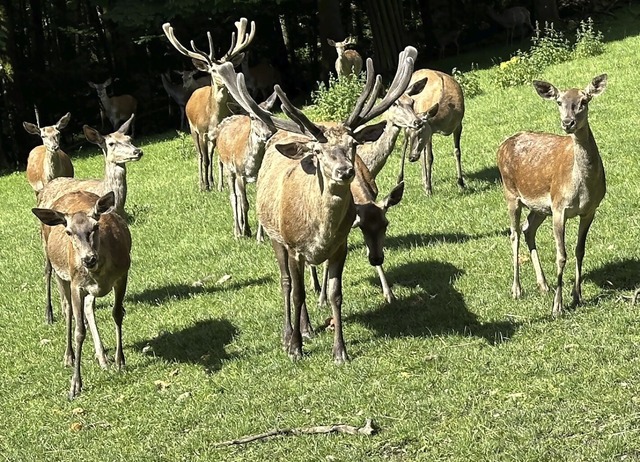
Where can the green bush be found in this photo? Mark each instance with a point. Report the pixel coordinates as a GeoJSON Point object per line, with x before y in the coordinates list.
{"type": "Point", "coordinates": [549, 46]}
{"type": "Point", "coordinates": [519, 70]}
{"type": "Point", "coordinates": [469, 81]}
{"type": "Point", "coordinates": [589, 41]}
{"type": "Point", "coordinates": [336, 101]}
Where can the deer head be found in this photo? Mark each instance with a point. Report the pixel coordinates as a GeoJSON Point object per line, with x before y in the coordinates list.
{"type": "Point", "coordinates": [117, 146]}
{"type": "Point", "coordinates": [51, 134]}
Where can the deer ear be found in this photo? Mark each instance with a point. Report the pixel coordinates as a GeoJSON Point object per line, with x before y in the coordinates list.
{"type": "Point", "coordinates": [294, 150]}
{"type": "Point", "coordinates": [64, 120]}
{"type": "Point", "coordinates": [545, 90]}
{"type": "Point", "coordinates": [125, 126]}
{"type": "Point", "coordinates": [93, 135]}
{"type": "Point", "coordinates": [50, 217]}
{"type": "Point", "coordinates": [104, 204]}
{"type": "Point", "coordinates": [597, 85]}
{"type": "Point", "coordinates": [331, 42]}
{"type": "Point", "coordinates": [394, 197]}
{"type": "Point", "coordinates": [370, 132]}
{"type": "Point", "coordinates": [267, 104]}
{"type": "Point", "coordinates": [430, 113]}
{"type": "Point", "coordinates": [416, 87]}
{"type": "Point", "coordinates": [31, 128]}
{"type": "Point", "coordinates": [201, 66]}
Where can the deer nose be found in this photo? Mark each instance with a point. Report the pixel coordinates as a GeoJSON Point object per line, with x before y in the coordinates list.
{"type": "Point", "coordinates": [90, 261]}
{"type": "Point", "coordinates": [345, 173]}
{"type": "Point", "coordinates": [376, 260]}
{"type": "Point", "coordinates": [138, 152]}
{"type": "Point", "coordinates": [417, 123]}
{"type": "Point", "coordinates": [568, 125]}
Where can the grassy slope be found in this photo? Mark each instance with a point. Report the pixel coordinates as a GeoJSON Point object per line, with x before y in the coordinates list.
{"type": "Point", "coordinates": [454, 370]}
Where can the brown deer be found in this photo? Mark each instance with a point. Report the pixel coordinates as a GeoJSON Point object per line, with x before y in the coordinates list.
{"type": "Point", "coordinates": [304, 198]}
{"type": "Point", "coordinates": [118, 150]}
{"type": "Point", "coordinates": [190, 84]}
{"type": "Point", "coordinates": [516, 17]}
{"type": "Point", "coordinates": [260, 78]}
{"type": "Point", "coordinates": [445, 118]}
{"type": "Point", "coordinates": [177, 93]}
{"type": "Point", "coordinates": [118, 109]}
{"type": "Point", "coordinates": [90, 254]}
{"type": "Point", "coordinates": [555, 175]}
{"type": "Point", "coordinates": [349, 62]}
{"type": "Point", "coordinates": [207, 106]}
{"type": "Point", "coordinates": [241, 143]}
{"type": "Point", "coordinates": [48, 161]}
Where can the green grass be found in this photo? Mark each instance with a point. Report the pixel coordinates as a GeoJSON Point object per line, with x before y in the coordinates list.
{"type": "Point", "coordinates": [453, 370]}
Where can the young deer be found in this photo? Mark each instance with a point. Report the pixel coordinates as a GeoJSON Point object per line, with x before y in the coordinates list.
{"type": "Point", "coordinates": [304, 198]}
{"type": "Point", "coordinates": [117, 108]}
{"type": "Point", "coordinates": [118, 150]}
{"type": "Point", "coordinates": [555, 175]}
{"type": "Point", "coordinates": [90, 254]}
{"type": "Point", "coordinates": [48, 161]}
{"type": "Point", "coordinates": [241, 145]}
{"type": "Point", "coordinates": [349, 61]}
{"type": "Point", "coordinates": [207, 106]}
{"type": "Point", "coordinates": [443, 103]}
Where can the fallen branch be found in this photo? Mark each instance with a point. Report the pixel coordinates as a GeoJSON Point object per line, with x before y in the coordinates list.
{"type": "Point", "coordinates": [368, 429]}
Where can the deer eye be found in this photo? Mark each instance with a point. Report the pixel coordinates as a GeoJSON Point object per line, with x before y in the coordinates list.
{"type": "Point", "coordinates": [68, 232]}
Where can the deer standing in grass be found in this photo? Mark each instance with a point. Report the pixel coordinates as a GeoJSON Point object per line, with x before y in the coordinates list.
{"type": "Point", "coordinates": [516, 17]}
{"type": "Point", "coordinates": [89, 249]}
{"type": "Point", "coordinates": [304, 198]}
{"type": "Point", "coordinates": [118, 150]}
{"type": "Point", "coordinates": [207, 106]}
{"type": "Point", "coordinates": [118, 109]}
{"type": "Point", "coordinates": [178, 93]}
{"type": "Point", "coordinates": [555, 175]}
{"type": "Point", "coordinates": [445, 118]}
{"type": "Point", "coordinates": [241, 146]}
{"type": "Point", "coordinates": [349, 62]}
{"type": "Point", "coordinates": [48, 161]}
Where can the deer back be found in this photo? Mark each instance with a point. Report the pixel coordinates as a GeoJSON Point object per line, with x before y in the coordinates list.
{"type": "Point", "coordinates": [443, 89]}
{"type": "Point", "coordinates": [232, 140]}
{"type": "Point", "coordinates": [43, 166]}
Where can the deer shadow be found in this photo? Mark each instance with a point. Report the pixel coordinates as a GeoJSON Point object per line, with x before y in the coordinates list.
{"type": "Point", "coordinates": [408, 241]}
{"type": "Point", "coordinates": [436, 309]}
{"type": "Point", "coordinates": [489, 175]}
{"type": "Point", "coordinates": [159, 295]}
{"type": "Point", "coordinates": [202, 343]}
{"type": "Point", "coordinates": [617, 275]}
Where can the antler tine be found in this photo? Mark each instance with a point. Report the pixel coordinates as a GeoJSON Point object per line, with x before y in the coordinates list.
{"type": "Point", "coordinates": [35, 109]}
{"type": "Point", "coordinates": [241, 41]}
{"type": "Point", "coordinates": [374, 95]}
{"type": "Point", "coordinates": [297, 115]}
{"type": "Point", "coordinates": [168, 31]}
{"type": "Point", "coordinates": [211, 56]}
{"type": "Point", "coordinates": [363, 96]}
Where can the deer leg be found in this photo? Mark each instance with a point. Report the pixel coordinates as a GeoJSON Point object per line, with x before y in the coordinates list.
{"type": "Point", "coordinates": [64, 287]}
{"type": "Point", "coordinates": [458, 155]}
{"type": "Point", "coordinates": [427, 167]}
{"type": "Point", "coordinates": [559, 221]}
{"type": "Point", "coordinates": [285, 284]}
{"type": "Point", "coordinates": [515, 211]}
{"type": "Point", "coordinates": [335, 268]}
{"type": "Point", "coordinates": [77, 301]}
{"type": "Point", "coordinates": [244, 204]}
{"type": "Point", "coordinates": [322, 298]}
{"type": "Point", "coordinates": [314, 278]}
{"type": "Point", "coordinates": [386, 290]}
{"type": "Point", "coordinates": [48, 308]}
{"type": "Point", "coordinates": [260, 233]}
{"type": "Point", "coordinates": [296, 270]}
{"type": "Point", "coordinates": [201, 144]}
{"type": "Point", "coordinates": [212, 162]}
{"type": "Point", "coordinates": [233, 199]}
{"type": "Point", "coordinates": [89, 312]}
{"type": "Point", "coordinates": [119, 289]}
{"type": "Point", "coordinates": [534, 220]}
{"type": "Point", "coordinates": [207, 155]}
{"type": "Point", "coordinates": [220, 169]}
{"type": "Point", "coordinates": [583, 229]}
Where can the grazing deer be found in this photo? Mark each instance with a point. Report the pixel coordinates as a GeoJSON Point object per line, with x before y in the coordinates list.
{"type": "Point", "coordinates": [512, 18]}
{"type": "Point", "coordinates": [442, 102]}
{"type": "Point", "coordinates": [118, 150]}
{"type": "Point", "coordinates": [208, 105]}
{"type": "Point", "coordinates": [48, 161]}
{"type": "Point", "coordinates": [241, 143]}
{"type": "Point", "coordinates": [260, 78]}
{"type": "Point", "coordinates": [117, 108]}
{"type": "Point", "coordinates": [304, 198]}
{"type": "Point", "coordinates": [349, 61]}
{"type": "Point", "coordinates": [90, 254]}
{"type": "Point", "coordinates": [178, 93]}
{"type": "Point", "coordinates": [555, 175]}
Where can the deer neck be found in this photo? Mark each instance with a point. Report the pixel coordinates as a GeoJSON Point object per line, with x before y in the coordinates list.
{"type": "Point", "coordinates": [115, 179]}
{"type": "Point", "coordinates": [254, 154]}
{"type": "Point", "coordinates": [51, 164]}
{"type": "Point", "coordinates": [377, 153]}
{"type": "Point", "coordinates": [336, 208]}
{"type": "Point", "coordinates": [105, 100]}
{"type": "Point", "coordinates": [218, 102]}
{"type": "Point", "coordinates": [586, 154]}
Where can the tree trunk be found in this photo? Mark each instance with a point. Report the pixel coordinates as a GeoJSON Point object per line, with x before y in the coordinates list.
{"type": "Point", "coordinates": [387, 27]}
{"type": "Point", "coordinates": [546, 11]}
{"type": "Point", "coordinates": [330, 25]}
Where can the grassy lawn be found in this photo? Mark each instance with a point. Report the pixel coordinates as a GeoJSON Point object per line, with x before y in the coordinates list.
{"type": "Point", "coordinates": [453, 370]}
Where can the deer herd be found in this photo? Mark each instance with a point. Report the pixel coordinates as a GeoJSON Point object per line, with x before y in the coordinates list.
{"type": "Point", "coordinates": [315, 181]}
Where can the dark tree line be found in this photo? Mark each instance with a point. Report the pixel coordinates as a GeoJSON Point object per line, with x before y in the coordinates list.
{"type": "Point", "coordinates": [50, 49]}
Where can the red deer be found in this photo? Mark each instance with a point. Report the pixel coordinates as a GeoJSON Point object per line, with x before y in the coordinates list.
{"type": "Point", "coordinates": [178, 94]}
{"type": "Point", "coordinates": [207, 106]}
{"type": "Point", "coordinates": [445, 91]}
{"type": "Point", "coordinates": [48, 161]}
{"type": "Point", "coordinates": [304, 198]}
{"type": "Point", "coordinates": [90, 254]}
{"type": "Point", "coordinates": [555, 175]}
{"type": "Point", "coordinates": [260, 78]}
{"type": "Point", "coordinates": [118, 150]}
{"type": "Point", "coordinates": [241, 144]}
{"type": "Point", "coordinates": [118, 109]}
{"type": "Point", "coordinates": [349, 62]}
{"type": "Point", "coordinates": [512, 18]}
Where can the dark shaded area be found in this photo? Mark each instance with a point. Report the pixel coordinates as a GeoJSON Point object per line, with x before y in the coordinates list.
{"type": "Point", "coordinates": [487, 174]}
{"type": "Point", "coordinates": [437, 309]}
{"type": "Point", "coordinates": [159, 295]}
{"type": "Point", "coordinates": [407, 241]}
{"type": "Point", "coordinates": [618, 275]}
{"type": "Point", "coordinates": [203, 343]}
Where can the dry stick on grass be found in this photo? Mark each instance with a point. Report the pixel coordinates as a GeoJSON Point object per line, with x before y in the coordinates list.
{"type": "Point", "coordinates": [368, 429]}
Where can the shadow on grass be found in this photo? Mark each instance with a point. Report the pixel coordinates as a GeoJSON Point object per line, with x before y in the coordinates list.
{"type": "Point", "coordinates": [488, 174]}
{"type": "Point", "coordinates": [617, 275]}
{"type": "Point", "coordinates": [159, 295]}
{"type": "Point", "coordinates": [437, 308]}
{"type": "Point", "coordinates": [407, 241]}
{"type": "Point", "coordinates": [203, 343]}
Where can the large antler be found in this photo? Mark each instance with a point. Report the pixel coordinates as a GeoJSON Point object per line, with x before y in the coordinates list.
{"type": "Point", "coordinates": [365, 109]}
{"type": "Point", "coordinates": [234, 53]}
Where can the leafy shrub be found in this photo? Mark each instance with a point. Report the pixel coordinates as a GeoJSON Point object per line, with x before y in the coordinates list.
{"type": "Point", "coordinates": [469, 81]}
{"type": "Point", "coordinates": [335, 101]}
{"type": "Point", "coordinates": [549, 46]}
{"type": "Point", "coordinates": [519, 70]}
{"type": "Point", "coordinates": [589, 41]}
